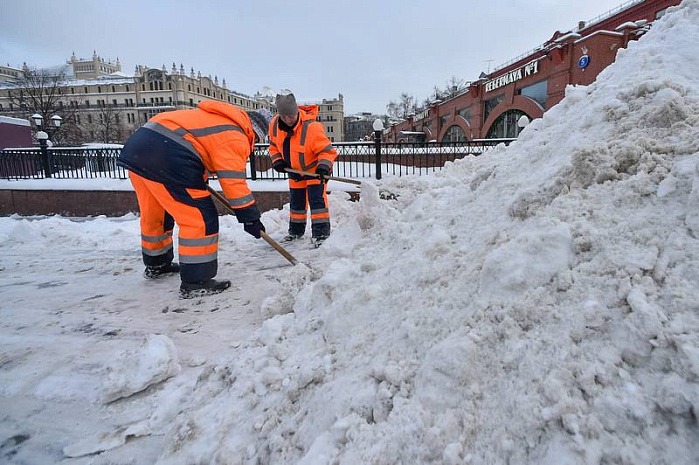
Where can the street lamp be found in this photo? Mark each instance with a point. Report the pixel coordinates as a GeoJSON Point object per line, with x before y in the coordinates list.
{"type": "Point", "coordinates": [38, 120]}
{"type": "Point", "coordinates": [43, 138]}
{"type": "Point", "coordinates": [56, 120]}
{"type": "Point", "coordinates": [378, 129]}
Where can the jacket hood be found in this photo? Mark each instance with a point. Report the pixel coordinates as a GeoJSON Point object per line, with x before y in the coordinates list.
{"type": "Point", "coordinates": [235, 114]}
{"type": "Point", "coordinates": [308, 112]}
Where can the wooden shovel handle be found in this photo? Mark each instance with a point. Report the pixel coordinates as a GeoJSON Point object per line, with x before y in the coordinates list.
{"type": "Point", "coordinates": [263, 234]}
{"type": "Point", "coordinates": [328, 178]}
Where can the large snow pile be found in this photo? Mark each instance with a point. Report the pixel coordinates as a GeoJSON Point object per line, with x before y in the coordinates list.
{"type": "Point", "coordinates": [538, 305]}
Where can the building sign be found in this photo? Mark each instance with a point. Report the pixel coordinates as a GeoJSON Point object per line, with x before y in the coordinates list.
{"type": "Point", "coordinates": [512, 76]}
{"type": "Point", "coordinates": [583, 61]}
{"type": "Point", "coordinates": [422, 115]}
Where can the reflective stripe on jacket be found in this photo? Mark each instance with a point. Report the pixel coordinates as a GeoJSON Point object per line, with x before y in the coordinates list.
{"type": "Point", "coordinates": [218, 138]}
{"type": "Point", "coordinates": [308, 145]}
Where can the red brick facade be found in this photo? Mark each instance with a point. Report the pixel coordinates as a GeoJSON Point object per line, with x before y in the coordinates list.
{"type": "Point", "coordinates": [554, 65]}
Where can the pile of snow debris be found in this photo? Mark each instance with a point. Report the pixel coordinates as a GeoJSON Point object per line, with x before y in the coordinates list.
{"type": "Point", "coordinates": [538, 305]}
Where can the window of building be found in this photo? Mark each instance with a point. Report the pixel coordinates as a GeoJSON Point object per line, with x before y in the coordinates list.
{"type": "Point", "coordinates": [143, 87]}
{"type": "Point", "coordinates": [99, 89]}
{"type": "Point", "coordinates": [11, 107]}
{"type": "Point", "coordinates": [89, 118]}
{"type": "Point", "coordinates": [506, 125]}
{"type": "Point", "coordinates": [127, 88]}
{"type": "Point", "coordinates": [332, 139]}
{"type": "Point", "coordinates": [169, 85]}
{"type": "Point", "coordinates": [189, 88]}
{"type": "Point", "coordinates": [114, 102]}
{"type": "Point", "coordinates": [113, 89]}
{"type": "Point", "coordinates": [87, 104]}
{"type": "Point", "coordinates": [144, 100]}
{"type": "Point", "coordinates": [72, 90]}
{"type": "Point", "coordinates": [454, 134]}
{"type": "Point", "coordinates": [170, 99]}
{"type": "Point", "coordinates": [443, 120]}
{"type": "Point", "coordinates": [198, 91]}
{"type": "Point", "coordinates": [330, 108]}
{"type": "Point", "coordinates": [150, 86]}
{"type": "Point", "coordinates": [490, 104]}
{"type": "Point", "coordinates": [537, 92]}
{"type": "Point", "coordinates": [465, 113]}
{"type": "Point", "coordinates": [85, 89]}
{"type": "Point", "coordinates": [191, 102]}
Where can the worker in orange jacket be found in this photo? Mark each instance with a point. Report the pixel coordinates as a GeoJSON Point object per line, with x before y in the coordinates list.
{"type": "Point", "coordinates": [168, 159]}
{"type": "Point", "coordinates": [298, 141]}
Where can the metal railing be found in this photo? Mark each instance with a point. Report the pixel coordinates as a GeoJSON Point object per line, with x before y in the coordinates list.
{"type": "Point", "coordinates": [355, 160]}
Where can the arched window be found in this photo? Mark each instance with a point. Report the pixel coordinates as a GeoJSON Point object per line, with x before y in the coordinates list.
{"type": "Point", "coordinates": [454, 134]}
{"type": "Point", "coordinates": [506, 125]}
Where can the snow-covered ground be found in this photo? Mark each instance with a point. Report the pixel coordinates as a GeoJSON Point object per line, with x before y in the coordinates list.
{"type": "Point", "coordinates": [538, 305]}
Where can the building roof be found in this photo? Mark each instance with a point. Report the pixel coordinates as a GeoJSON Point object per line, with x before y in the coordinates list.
{"type": "Point", "coordinates": [15, 121]}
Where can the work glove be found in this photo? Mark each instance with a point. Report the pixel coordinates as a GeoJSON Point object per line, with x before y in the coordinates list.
{"type": "Point", "coordinates": [254, 228]}
{"type": "Point", "coordinates": [280, 166]}
{"type": "Point", "coordinates": [323, 171]}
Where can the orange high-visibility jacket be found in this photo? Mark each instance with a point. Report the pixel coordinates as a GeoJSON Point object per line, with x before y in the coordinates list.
{"type": "Point", "coordinates": [308, 146]}
{"type": "Point", "coordinates": [222, 136]}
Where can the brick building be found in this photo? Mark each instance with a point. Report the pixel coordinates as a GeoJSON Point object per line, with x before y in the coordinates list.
{"type": "Point", "coordinates": [533, 82]}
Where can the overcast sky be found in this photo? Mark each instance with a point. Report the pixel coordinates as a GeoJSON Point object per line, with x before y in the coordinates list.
{"type": "Point", "coordinates": [370, 51]}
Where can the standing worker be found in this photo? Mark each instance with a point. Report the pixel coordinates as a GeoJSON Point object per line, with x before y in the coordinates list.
{"type": "Point", "coordinates": [299, 142]}
{"type": "Point", "coordinates": [168, 159]}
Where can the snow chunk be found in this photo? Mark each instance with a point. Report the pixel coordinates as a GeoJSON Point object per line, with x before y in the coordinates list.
{"type": "Point", "coordinates": [530, 260]}
{"type": "Point", "coordinates": [133, 371]}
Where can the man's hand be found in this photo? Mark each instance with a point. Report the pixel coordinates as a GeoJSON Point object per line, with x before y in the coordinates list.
{"type": "Point", "coordinates": [254, 229]}
{"type": "Point", "coordinates": [280, 166]}
{"type": "Point", "coordinates": [323, 171]}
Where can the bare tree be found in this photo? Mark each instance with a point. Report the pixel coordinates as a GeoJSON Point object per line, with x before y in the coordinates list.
{"type": "Point", "coordinates": [42, 92]}
{"type": "Point", "coordinates": [406, 105]}
{"type": "Point", "coordinates": [454, 86]}
{"type": "Point", "coordinates": [108, 126]}
{"type": "Point", "coordinates": [392, 109]}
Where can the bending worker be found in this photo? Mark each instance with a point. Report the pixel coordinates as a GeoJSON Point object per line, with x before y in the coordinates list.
{"type": "Point", "coordinates": [298, 141]}
{"type": "Point", "coordinates": [168, 159]}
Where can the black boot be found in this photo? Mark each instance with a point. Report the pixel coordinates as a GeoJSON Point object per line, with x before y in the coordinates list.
{"type": "Point", "coordinates": [291, 237]}
{"type": "Point", "coordinates": [155, 272]}
{"type": "Point", "coordinates": [318, 240]}
{"type": "Point", "coordinates": [208, 287]}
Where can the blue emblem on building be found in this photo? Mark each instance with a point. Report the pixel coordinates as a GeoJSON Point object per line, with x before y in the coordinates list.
{"type": "Point", "coordinates": [583, 61]}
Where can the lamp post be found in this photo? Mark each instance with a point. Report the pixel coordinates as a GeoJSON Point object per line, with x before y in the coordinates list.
{"type": "Point", "coordinates": [378, 129]}
{"type": "Point", "coordinates": [43, 145]}
{"type": "Point", "coordinates": [39, 123]}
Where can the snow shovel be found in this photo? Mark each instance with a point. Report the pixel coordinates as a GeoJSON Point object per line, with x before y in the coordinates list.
{"type": "Point", "coordinates": [325, 178]}
{"type": "Point", "coordinates": [384, 194]}
{"type": "Point", "coordinates": [263, 234]}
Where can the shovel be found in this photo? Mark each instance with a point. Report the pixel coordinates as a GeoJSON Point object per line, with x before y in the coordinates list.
{"type": "Point", "coordinates": [384, 194]}
{"type": "Point", "coordinates": [263, 234]}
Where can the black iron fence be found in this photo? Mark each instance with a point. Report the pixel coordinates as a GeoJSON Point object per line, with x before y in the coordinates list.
{"type": "Point", "coordinates": [355, 160]}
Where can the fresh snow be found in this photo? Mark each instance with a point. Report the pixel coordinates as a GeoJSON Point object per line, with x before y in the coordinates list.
{"type": "Point", "coordinates": [536, 305]}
